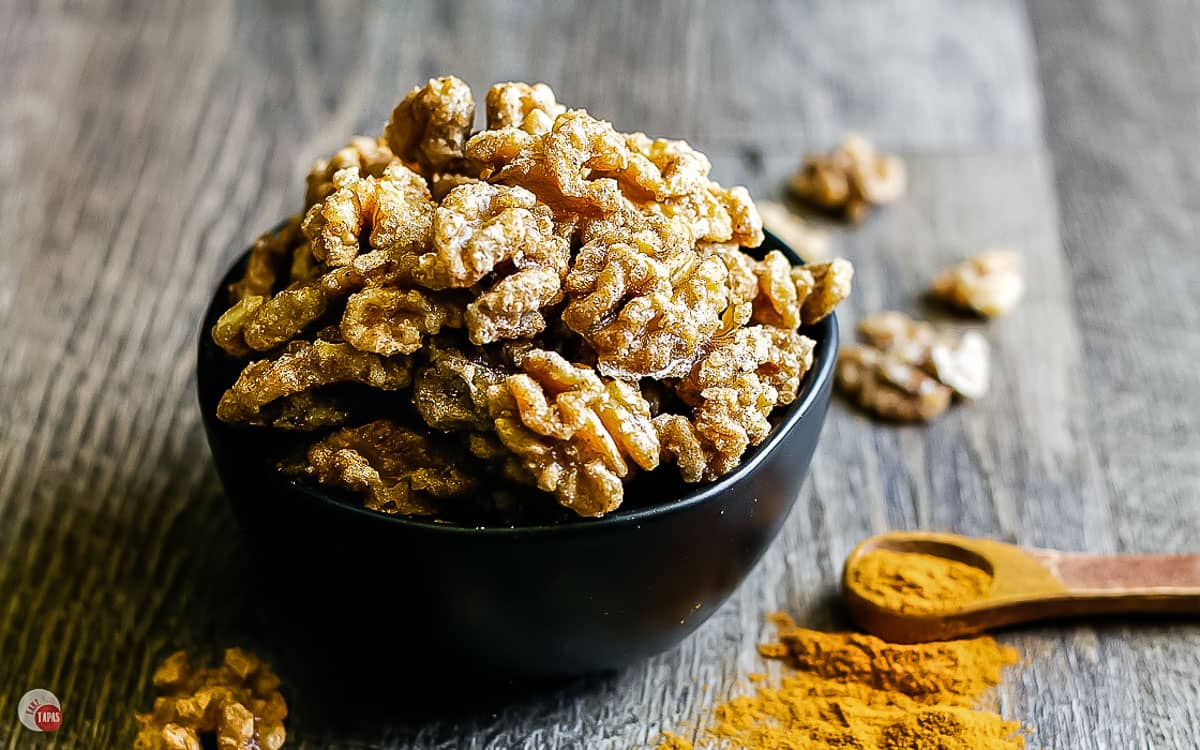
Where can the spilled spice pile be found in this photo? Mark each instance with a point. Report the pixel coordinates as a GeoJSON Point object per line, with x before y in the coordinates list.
{"type": "Point", "coordinates": [916, 582]}
{"type": "Point", "coordinates": [849, 690]}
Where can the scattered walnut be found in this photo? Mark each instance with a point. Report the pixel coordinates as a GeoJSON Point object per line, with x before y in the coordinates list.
{"type": "Point", "coordinates": [899, 335]}
{"type": "Point", "coordinates": [238, 702]}
{"type": "Point", "coordinates": [430, 126]}
{"type": "Point", "coordinates": [960, 362]}
{"type": "Point", "coordinates": [396, 469]}
{"type": "Point", "coordinates": [889, 387]}
{"type": "Point", "coordinates": [851, 178]}
{"type": "Point", "coordinates": [989, 284]}
{"type": "Point", "coordinates": [907, 369]}
{"type": "Point", "coordinates": [809, 242]}
{"type": "Point", "coordinates": [964, 366]}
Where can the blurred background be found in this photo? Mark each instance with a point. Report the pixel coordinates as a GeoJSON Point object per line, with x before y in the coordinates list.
{"type": "Point", "coordinates": [145, 144]}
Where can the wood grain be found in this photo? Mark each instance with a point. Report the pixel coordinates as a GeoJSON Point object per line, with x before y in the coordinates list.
{"type": "Point", "coordinates": [145, 143]}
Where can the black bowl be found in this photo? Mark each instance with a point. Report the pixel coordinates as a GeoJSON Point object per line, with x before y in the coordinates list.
{"type": "Point", "coordinates": [549, 600]}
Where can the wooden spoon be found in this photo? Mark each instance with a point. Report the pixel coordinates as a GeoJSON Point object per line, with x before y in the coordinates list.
{"type": "Point", "coordinates": [1027, 585]}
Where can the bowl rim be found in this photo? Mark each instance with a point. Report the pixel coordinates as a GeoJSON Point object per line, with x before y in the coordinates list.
{"type": "Point", "coordinates": [826, 337]}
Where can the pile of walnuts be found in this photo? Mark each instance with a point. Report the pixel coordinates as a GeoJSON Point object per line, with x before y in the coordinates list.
{"type": "Point", "coordinates": [237, 702]}
{"type": "Point", "coordinates": [562, 303]}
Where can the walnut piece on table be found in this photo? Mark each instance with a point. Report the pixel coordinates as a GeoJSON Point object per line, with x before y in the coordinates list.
{"type": "Point", "coordinates": [851, 178]}
{"type": "Point", "coordinates": [989, 284]}
{"type": "Point", "coordinates": [238, 702]}
{"type": "Point", "coordinates": [963, 365]}
{"type": "Point", "coordinates": [907, 369]}
{"type": "Point", "coordinates": [889, 387]}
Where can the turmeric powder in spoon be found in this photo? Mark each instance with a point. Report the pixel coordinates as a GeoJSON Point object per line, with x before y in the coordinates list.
{"type": "Point", "coordinates": [917, 583]}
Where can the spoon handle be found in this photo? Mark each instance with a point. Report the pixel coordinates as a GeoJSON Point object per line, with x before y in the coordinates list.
{"type": "Point", "coordinates": [1162, 575]}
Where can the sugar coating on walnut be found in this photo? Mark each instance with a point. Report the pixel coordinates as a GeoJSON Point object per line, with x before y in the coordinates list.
{"type": "Point", "coordinates": [502, 236]}
{"type": "Point", "coordinates": [561, 166]}
{"type": "Point", "coordinates": [773, 292]}
{"type": "Point", "coordinates": [431, 124]}
{"type": "Point", "coordinates": [821, 287]}
{"type": "Point", "coordinates": [479, 226]}
{"type": "Point", "coordinates": [645, 317]}
{"type": "Point", "coordinates": [237, 702]}
{"type": "Point", "coordinates": [368, 156]}
{"type": "Point", "coordinates": [398, 470]}
{"type": "Point", "coordinates": [284, 316]}
{"type": "Point", "coordinates": [531, 108]}
{"type": "Point", "coordinates": [392, 213]}
{"type": "Point", "coordinates": [456, 389]}
{"type": "Point", "coordinates": [733, 390]}
{"type": "Point", "coordinates": [264, 263]}
{"type": "Point", "coordinates": [575, 432]}
{"type": "Point", "coordinates": [305, 365]}
{"type": "Point", "coordinates": [390, 320]}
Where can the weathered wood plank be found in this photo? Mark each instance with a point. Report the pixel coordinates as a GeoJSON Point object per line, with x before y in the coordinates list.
{"type": "Point", "coordinates": [144, 143]}
{"type": "Point", "coordinates": [1122, 83]}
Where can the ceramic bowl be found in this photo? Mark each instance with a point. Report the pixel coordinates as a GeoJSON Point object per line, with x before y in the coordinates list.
{"type": "Point", "coordinates": [555, 599]}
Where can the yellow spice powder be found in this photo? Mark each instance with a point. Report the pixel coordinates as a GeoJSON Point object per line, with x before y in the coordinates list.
{"type": "Point", "coordinates": [917, 583]}
{"type": "Point", "coordinates": [849, 690]}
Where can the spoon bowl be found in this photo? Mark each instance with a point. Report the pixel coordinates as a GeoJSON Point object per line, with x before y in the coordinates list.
{"type": "Point", "coordinates": [552, 599]}
{"type": "Point", "coordinates": [1026, 585]}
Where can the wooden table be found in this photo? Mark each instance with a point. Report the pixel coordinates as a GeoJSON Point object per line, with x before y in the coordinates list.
{"type": "Point", "coordinates": [144, 144]}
